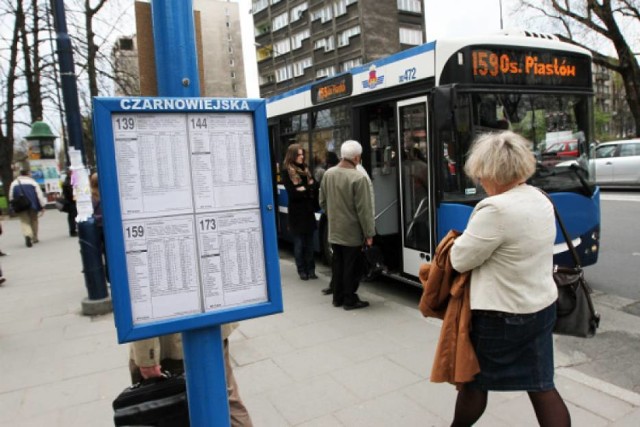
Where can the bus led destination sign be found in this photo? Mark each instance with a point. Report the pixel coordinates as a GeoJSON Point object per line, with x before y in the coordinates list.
{"type": "Point", "coordinates": [539, 68]}
{"type": "Point", "coordinates": [330, 89]}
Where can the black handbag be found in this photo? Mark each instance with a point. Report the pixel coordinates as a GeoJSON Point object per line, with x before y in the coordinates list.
{"type": "Point", "coordinates": [158, 402]}
{"type": "Point", "coordinates": [62, 204]}
{"type": "Point", "coordinates": [20, 202]}
{"type": "Point", "coordinates": [576, 315]}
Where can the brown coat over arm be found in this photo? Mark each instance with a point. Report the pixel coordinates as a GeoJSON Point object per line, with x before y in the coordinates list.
{"type": "Point", "coordinates": [446, 296]}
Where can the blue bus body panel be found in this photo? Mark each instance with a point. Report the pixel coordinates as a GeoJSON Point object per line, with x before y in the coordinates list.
{"type": "Point", "coordinates": [452, 216]}
{"type": "Point", "coordinates": [580, 215]}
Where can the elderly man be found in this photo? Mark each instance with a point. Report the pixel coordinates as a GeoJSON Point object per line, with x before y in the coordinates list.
{"type": "Point", "coordinates": [345, 196]}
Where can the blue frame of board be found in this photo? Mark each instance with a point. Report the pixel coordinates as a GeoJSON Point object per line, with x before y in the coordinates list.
{"type": "Point", "coordinates": [103, 110]}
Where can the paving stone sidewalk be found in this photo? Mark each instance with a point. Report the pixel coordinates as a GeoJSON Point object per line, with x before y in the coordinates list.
{"type": "Point", "coordinates": [313, 365]}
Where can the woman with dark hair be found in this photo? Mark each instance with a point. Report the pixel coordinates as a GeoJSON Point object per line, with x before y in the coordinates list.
{"type": "Point", "coordinates": [301, 189]}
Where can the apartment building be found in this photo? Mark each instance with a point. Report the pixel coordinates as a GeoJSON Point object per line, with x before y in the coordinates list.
{"type": "Point", "coordinates": [299, 41]}
{"type": "Point", "coordinates": [223, 63]}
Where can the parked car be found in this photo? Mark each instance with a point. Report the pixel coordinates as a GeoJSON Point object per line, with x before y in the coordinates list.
{"type": "Point", "coordinates": [618, 163]}
{"type": "Point", "coordinates": [559, 151]}
{"type": "Point", "coordinates": [562, 149]}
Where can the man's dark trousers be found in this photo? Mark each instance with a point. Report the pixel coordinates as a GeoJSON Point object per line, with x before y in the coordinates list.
{"type": "Point", "coordinates": [345, 273]}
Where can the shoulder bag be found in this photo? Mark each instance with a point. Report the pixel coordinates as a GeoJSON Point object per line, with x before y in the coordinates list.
{"type": "Point", "coordinates": [20, 202]}
{"type": "Point", "coordinates": [576, 315]}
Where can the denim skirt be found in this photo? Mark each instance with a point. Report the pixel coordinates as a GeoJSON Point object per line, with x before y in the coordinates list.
{"type": "Point", "coordinates": [515, 351]}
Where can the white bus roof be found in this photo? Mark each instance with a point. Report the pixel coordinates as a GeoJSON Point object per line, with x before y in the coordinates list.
{"type": "Point", "coordinates": [417, 63]}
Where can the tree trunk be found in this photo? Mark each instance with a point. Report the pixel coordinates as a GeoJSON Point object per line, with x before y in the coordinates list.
{"type": "Point", "coordinates": [6, 140]}
{"type": "Point", "coordinates": [628, 65]}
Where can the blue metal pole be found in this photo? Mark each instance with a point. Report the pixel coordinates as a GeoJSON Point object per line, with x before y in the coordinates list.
{"type": "Point", "coordinates": [175, 48]}
{"type": "Point", "coordinates": [206, 383]}
{"type": "Point", "coordinates": [177, 74]}
{"type": "Point", "coordinates": [68, 77]}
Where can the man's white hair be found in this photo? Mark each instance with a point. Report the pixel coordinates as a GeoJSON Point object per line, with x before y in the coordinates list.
{"type": "Point", "coordinates": [350, 149]}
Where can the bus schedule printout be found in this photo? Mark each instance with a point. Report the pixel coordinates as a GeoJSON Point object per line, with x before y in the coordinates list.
{"type": "Point", "coordinates": [191, 221]}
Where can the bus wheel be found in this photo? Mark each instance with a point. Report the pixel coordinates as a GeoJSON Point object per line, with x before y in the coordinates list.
{"type": "Point", "coordinates": [327, 250]}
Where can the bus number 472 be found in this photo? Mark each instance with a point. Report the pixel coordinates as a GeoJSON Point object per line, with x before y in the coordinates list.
{"type": "Point", "coordinates": [409, 74]}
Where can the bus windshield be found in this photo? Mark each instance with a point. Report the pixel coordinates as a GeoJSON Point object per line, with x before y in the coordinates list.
{"type": "Point", "coordinates": [558, 127]}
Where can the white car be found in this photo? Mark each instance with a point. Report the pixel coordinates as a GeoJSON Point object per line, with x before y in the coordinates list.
{"type": "Point", "coordinates": [618, 163]}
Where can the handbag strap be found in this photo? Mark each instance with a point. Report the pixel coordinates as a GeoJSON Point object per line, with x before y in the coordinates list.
{"type": "Point", "coordinates": [567, 238]}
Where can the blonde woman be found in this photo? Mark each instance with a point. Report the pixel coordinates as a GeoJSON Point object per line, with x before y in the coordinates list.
{"type": "Point", "coordinates": [508, 247]}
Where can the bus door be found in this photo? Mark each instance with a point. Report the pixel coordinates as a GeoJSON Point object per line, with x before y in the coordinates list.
{"type": "Point", "coordinates": [415, 189]}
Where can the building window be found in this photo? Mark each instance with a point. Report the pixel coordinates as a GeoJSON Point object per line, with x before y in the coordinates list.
{"type": "Point", "coordinates": [233, 74]}
{"type": "Point", "coordinates": [234, 87]}
{"type": "Point", "coordinates": [267, 79]}
{"type": "Point", "coordinates": [298, 38]}
{"type": "Point", "coordinates": [325, 14]}
{"type": "Point", "coordinates": [280, 21]}
{"type": "Point", "coordinates": [284, 73]}
{"type": "Point", "coordinates": [262, 28]}
{"type": "Point", "coordinates": [259, 5]}
{"type": "Point", "coordinates": [327, 43]}
{"type": "Point", "coordinates": [298, 11]}
{"type": "Point", "coordinates": [300, 66]}
{"type": "Point", "coordinates": [343, 37]}
{"type": "Point", "coordinates": [126, 43]}
{"type": "Point", "coordinates": [326, 72]}
{"type": "Point", "coordinates": [352, 63]}
{"type": "Point", "coordinates": [410, 36]}
{"type": "Point", "coordinates": [281, 47]}
{"type": "Point", "coordinates": [410, 6]}
{"type": "Point", "coordinates": [275, 1]}
{"type": "Point", "coordinates": [232, 62]}
{"type": "Point", "coordinates": [340, 8]}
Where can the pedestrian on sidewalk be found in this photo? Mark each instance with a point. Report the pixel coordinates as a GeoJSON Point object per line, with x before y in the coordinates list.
{"type": "Point", "coordinates": [150, 357]}
{"type": "Point", "coordinates": [1, 253]}
{"type": "Point", "coordinates": [508, 247]}
{"type": "Point", "coordinates": [96, 203]}
{"type": "Point", "coordinates": [70, 203]}
{"type": "Point", "coordinates": [27, 186]}
{"type": "Point", "coordinates": [302, 192]}
{"type": "Point", "coordinates": [346, 198]}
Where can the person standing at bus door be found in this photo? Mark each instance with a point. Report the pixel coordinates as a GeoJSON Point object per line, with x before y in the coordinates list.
{"type": "Point", "coordinates": [330, 161]}
{"type": "Point", "coordinates": [346, 198]}
{"type": "Point", "coordinates": [302, 191]}
{"type": "Point", "coordinates": [508, 247]}
{"type": "Point", "coordinates": [27, 186]}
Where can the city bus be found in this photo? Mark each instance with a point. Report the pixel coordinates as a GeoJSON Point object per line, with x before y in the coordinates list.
{"type": "Point", "coordinates": [416, 114]}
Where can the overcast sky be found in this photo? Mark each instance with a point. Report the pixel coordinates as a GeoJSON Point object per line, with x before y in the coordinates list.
{"type": "Point", "coordinates": [443, 18]}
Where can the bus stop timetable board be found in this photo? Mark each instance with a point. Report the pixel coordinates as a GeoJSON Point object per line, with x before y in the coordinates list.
{"type": "Point", "coordinates": [187, 204]}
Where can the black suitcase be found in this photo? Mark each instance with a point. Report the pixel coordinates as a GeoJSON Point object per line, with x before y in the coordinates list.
{"type": "Point", "coordinates": [157, 402]}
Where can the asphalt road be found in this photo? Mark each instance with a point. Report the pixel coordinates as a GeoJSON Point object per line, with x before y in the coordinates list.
{"type": "Point", "coordinates": [618, 267]}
